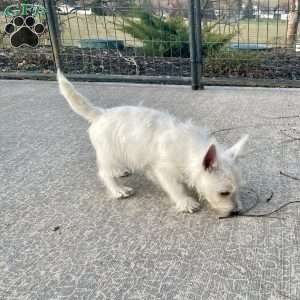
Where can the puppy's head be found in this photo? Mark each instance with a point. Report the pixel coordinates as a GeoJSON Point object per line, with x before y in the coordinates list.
{"type": "Point", "coordinates": [219, 183]}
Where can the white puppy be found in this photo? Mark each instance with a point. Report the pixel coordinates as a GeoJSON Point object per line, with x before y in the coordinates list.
{"type": "Point", "coordinates": [178, 155]}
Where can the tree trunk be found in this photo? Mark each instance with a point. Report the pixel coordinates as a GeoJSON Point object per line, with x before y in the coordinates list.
{"type": "Point", "coordinates": [293, 21]}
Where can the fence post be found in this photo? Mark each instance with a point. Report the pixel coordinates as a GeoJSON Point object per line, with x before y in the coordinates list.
{"type": "Point", "coordinates": [53, 30]}
{"type": "Point", "coordinates": [198, 33]}
{"type": "Point", "coordinates": [195, 43]}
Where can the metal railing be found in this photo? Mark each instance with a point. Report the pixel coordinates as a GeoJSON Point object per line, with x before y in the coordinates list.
{"type": "Point", "coordinates": [230, 42]}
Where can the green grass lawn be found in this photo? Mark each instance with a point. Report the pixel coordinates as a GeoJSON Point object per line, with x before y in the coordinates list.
{"type": "Point", "coordinates": [258, 31]}
{"type": "Point", "coordinates": [79, 27]}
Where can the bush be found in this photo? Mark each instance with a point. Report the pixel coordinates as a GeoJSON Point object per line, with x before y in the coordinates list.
{"type": "Point", "coordinates": [214, 42]}
{"type": "Point", "coordinates": [98, 8]}
{"type": "Point", "coordinates": [167, 37]}
{"type": "Point", "coordinates": [160, 37]}
{"type": "Point", "coordinates": [232, 62]}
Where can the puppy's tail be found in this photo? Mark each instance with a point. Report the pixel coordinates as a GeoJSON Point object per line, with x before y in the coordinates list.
{"type": "Point", "coordinates": [78, 103]}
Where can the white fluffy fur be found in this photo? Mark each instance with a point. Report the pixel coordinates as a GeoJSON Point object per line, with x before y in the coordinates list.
{"type": "Point", "coordinates": [177, 155]}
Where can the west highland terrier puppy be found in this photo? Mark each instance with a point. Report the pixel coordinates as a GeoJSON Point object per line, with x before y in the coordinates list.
{"type": "Point", "coordinates": [179, 156]}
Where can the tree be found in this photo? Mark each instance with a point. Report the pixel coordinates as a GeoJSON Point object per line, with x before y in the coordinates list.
{"type": "Point", "coordinates": [293, 21]}
{"type": "Point", "coordinates": [237, 8]}
{"type": "Point", "coordinates": [176, 8]}
{"type": "Point", "coordinates": [208, 10]}
{"type": "Point", "coordinates": [109, 7]}
{"type": "Point", "coordinates": [98, 7]}
{"type": "Point", "coordinates": [248, 10]}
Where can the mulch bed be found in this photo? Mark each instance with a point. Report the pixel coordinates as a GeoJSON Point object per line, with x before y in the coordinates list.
{"type": "Point", "coordinates": [279, 64]}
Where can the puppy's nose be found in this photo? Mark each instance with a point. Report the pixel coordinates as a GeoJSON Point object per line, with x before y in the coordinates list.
{"type": "Point", "coordinates": [234, 213]}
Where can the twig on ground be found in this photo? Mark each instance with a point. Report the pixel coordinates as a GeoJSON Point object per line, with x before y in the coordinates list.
{"type": "Point", "coordinates": [266, 215]}
{"type": "Point", "coordinates": [274, 211]}
{"type": "Point", "coordinates": [226, 129]}
{"type": "Point", "coordinates": [278, 117]}
{"type": "Point", "coordinates": [270, 197]}
{"type": "Point", "coordinates": [240, 127]}
{"type": "Point", "coordinates": [289, 176]}
{"type": "Point", "coordinates": [130, 60]}
{"type": "Point", "coordinates": [286, 296]}
{"type": "Point", "coordinates": [242, 214]}
{"type": "Point", "coordinates": [287, 141]}
{"type": "Point", "coordinates": [293, 138]}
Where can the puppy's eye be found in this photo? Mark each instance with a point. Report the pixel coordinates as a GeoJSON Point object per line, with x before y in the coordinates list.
{"type": "Point", "coordinates": [224, 194]}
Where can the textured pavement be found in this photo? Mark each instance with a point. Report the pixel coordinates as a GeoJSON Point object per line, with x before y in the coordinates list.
{"type": "Point", "coordinates": [61, 237]}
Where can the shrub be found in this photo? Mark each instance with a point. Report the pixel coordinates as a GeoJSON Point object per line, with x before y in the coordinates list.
{"type": "Point", "coordinates": [230, 62]}
{"type": "Point", "coordinates": [169, 36]}
{"type": "Point", "coordinates": [214, 41]}
{"type": "Point", "coordinates": [160, 37]}
{"type": "Point", "coordinates": [98, 8]}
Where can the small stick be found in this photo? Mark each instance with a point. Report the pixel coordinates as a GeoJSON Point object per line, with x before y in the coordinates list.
{"type": "Point", "coordinates": [277, 209]}
{"type": "Point", "coordinates": [294, 138]}
{"type": "Point", "coordinates": [270, 197]}
{"type": "Point", "coordinates": [279, 117]}
{"type": "Point", "coordinates": [130, 60]}
{"type": "Point", "coordinates": [266, 214]}
{"type": "Point", "coordinates": [289, 176]}
{"type": "Point", "coordinates": [56, 228]}
{"type": "Point", "coordinates": [240, 127]}
{"type": "Point", "coordinates": [252, 216]}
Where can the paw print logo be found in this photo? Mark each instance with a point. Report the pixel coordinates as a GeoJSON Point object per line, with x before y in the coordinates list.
{"type": "Point", "coordinates": [24, 31]}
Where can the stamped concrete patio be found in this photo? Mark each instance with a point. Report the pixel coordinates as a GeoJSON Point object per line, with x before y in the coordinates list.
{"type": "Point", "coordinates": [61, 237]}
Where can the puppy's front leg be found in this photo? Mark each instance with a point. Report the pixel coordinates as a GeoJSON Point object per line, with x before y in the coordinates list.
{"type": "Point", "coordinates": [176, 191]}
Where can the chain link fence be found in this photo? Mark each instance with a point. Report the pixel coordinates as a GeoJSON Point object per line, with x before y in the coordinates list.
{"type": "Point", "coordinates": [247, 42]}
{"type": "Point", "coordinates": [263, 40]}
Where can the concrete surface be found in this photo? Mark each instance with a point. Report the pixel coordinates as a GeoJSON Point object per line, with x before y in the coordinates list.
{"type": "Point", "coordinates": [61, 237]}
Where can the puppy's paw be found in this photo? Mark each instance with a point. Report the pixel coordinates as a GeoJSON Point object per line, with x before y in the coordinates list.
{"type": "Point", "coordinates": [123, 192]}
{"type": "Point", "coordinates": [187, 205]}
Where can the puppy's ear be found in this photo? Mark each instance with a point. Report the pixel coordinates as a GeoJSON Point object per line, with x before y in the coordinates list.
{"type": "Point", "coordinates": [210, 158]}
{"type": "Point", "coordinates": [236, 150]}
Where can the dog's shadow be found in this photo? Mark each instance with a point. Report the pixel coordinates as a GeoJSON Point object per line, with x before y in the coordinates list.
{"type": "Point", "coordinates": [147, 189]}
{"type": "Point", "coordinates": [143, 186]}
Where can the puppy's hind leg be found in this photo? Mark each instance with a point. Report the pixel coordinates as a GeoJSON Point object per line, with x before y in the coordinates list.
{"type": "Point", "coordinates": [109, 170]}
{"type": "Point", "coordinates": [116, 190]}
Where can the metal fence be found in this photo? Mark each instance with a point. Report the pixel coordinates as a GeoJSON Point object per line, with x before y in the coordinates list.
{"type": "Point", "coordinates": [244, 42]}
